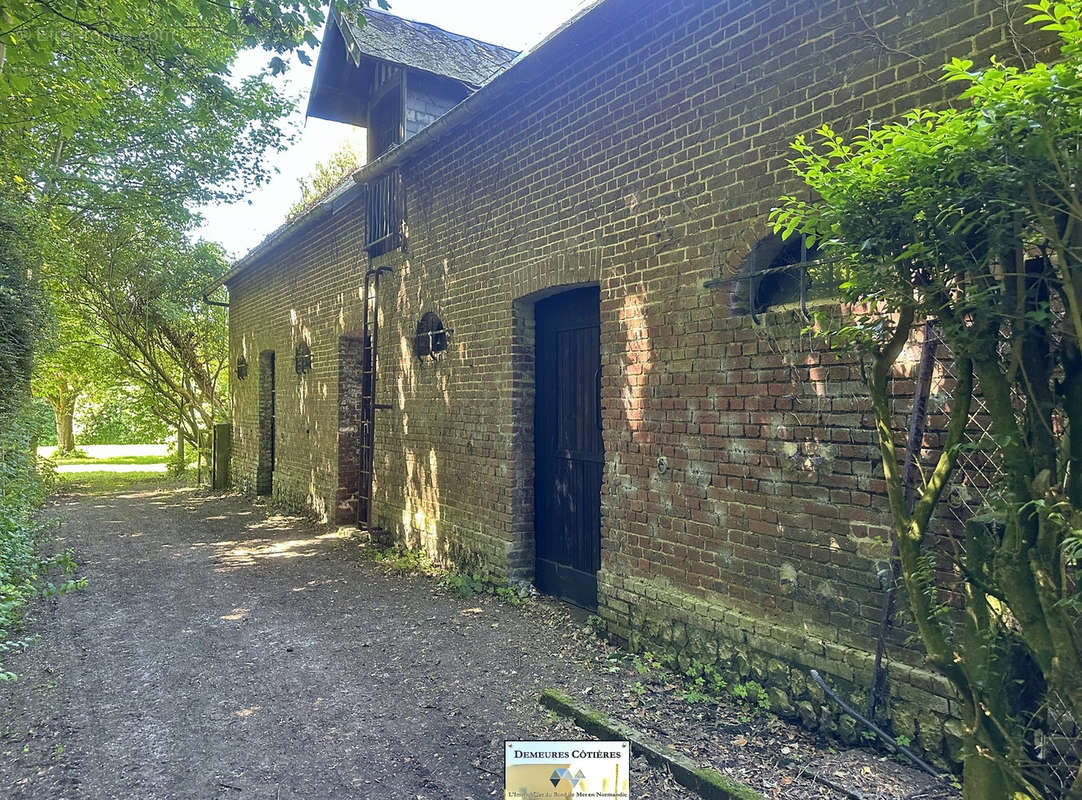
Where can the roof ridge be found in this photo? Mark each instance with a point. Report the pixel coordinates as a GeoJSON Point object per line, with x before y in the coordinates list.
{"type": "Point", "coordinates": [422, 46]}
{"type": "Point", "coordinates": [381, 12]}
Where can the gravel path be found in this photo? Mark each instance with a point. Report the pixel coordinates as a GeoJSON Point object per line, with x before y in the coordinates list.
{"type": "Point", "coordinates": [220, 652]}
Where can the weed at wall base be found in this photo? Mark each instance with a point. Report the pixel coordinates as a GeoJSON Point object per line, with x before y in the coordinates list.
{"type": "Point", "coordinates": [463, 582]}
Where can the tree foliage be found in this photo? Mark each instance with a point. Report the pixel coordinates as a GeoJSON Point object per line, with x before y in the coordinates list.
{"type": "Point", "coordinates": [71, 361]}
{"type": "Point", "coordinates": [119, 119]}
{"type": "Point", "coordinates": [144, 293]}
{"type": "Point", "coordinates": [972, 216]}
{"type": "Point", "coordinates": [20, 307]}
{"type": "Point", "coordinates": [326, 175]}
{"type": "Point", "coordinates": [23, 573]}
{"type": "Point", "coordinates": [121, 414]}
{"type": "Point", "coordinates": [121, 95]}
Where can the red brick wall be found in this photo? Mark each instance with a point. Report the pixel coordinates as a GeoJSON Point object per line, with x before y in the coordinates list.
{"type": "Point", "coordinates": [643, 152]}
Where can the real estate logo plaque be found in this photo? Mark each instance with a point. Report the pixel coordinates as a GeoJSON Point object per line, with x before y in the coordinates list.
{"type": "Point", "coordinates": [566, 770]}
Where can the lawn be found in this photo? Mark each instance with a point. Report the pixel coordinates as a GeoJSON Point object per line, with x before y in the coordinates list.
{"type": "Point", "coordinates": [149, 459]}
{"type": "Point", "coordinates": [106, 453]}
{"type": "Point", "coordinates": [104, 482]}
{"type": "Point", "coordinates": [110, 468]}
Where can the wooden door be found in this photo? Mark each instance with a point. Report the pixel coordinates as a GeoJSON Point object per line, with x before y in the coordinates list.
{"type": "Point", "coordinates": [265, 465]}
{"type": "Point", "coordinates": [568, 447]}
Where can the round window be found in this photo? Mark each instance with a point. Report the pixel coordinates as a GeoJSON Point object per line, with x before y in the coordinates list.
{"type": "Point", "coordinates": [431, 337]}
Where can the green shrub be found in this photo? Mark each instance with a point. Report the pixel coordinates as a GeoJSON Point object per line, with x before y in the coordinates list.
{"type": "Point", "coordinates": [118, 416]}
{"type": "Point", "coordinates": [24, 482]}
{"type": "Point", "coordinates": [24, 572]}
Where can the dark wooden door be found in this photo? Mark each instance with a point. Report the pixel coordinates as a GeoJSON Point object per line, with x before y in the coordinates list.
{"type": "Point", "coordinates": [569, 450]}
{"type": "Point", "coordinates": [265, 465]}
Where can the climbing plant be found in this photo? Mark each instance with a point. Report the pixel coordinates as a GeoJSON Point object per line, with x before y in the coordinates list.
{"type": "Point", "coordinates": [973, 216]}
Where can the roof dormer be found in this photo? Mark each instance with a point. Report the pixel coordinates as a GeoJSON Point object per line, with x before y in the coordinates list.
{"type": "Point", "coordinates": [394, 76]}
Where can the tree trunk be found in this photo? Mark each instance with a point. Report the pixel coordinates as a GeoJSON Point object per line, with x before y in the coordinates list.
{"type": "Point", "coordinates": [65, 428]}
{"type": "Point", "coordinates": [983, 778]}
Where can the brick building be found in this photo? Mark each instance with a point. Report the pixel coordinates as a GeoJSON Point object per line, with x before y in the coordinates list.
{"type": "Point", "coordinates": [583, 376]}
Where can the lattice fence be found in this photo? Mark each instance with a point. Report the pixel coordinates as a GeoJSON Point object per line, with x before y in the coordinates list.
{"type": "Point", "coordinates": [1053, 735]}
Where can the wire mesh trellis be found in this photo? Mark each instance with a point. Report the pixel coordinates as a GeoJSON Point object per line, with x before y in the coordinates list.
{"type": "Point", "coordinates": [1052, 736]}
{"type": "Point", "coordinates": [1057, 747]}
{"type": "Point", "coordinates": [979, 471]}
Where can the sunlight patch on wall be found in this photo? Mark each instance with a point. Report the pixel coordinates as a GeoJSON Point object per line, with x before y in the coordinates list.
{"type": "Point", "coordinates": [421, 512]}
{"type": "Point", "coordinates": [638, 358]}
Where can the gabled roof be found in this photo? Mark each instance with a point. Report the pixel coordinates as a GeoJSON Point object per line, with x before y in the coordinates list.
{"type": "Point", "coordinates": [419, 45]}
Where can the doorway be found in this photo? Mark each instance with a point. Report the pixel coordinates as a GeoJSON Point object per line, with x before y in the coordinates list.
{"type": "Point", "coordinates": [568, 447]}
{"type": "Point", "coordinates": [355, 433]}
{"type": "Point", "coordinates": [264, 478]}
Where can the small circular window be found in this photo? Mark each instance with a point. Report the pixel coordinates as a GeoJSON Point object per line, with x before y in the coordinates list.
{"type": "Point", "coordinates": [431, 337]}
{"type": "Point", "coordinates": [777, 273]}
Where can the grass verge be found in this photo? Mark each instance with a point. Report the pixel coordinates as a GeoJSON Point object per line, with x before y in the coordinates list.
{"type": "Point", "coordinates": [134, 459]}
{"type": "Point", "coordinates": [106, 482]}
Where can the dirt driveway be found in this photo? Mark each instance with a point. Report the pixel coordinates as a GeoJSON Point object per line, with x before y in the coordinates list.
{"type": "Point", "coordinates": [223, 653]}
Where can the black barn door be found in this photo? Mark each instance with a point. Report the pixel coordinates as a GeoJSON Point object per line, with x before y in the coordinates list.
{"type": "Point", "coordinates": [264, 480]}
{"type": "Point", "coordinates": [568, 446]}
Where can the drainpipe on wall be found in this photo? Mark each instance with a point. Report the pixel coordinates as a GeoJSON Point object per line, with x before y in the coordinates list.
{"type": "Point", "coordinates": [368, 391]}
{"type": "Point", "coordinates": [210, 302]}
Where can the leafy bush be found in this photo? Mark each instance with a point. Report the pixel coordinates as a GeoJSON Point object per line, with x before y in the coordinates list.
{"type": "Point", "coordinates": [24, 482]}
{"type": "Point", "coordinates": [44, 422]}
{"type": "Point", "coordinates": [969, 219]}
{"type": "Point", "coordinates": [119, 416]}
{"type": "Point", "coordinates": [24, 573]}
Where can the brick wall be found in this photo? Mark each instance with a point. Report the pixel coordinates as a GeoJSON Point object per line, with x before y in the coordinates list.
{"type": "Point", "coordinates": [642, 152]}
{"type": "Point", "coordinates": [309, 291]}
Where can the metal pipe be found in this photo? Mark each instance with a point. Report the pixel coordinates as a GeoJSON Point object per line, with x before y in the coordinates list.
{"type": "Point", "coordinates": [370, 347]}
{"type": "Point", "coordinates": [886, 737]}
{"type": "Point", "coordinates": [210, 302]}
{"type": "Point", "coordinates": [364, 488]}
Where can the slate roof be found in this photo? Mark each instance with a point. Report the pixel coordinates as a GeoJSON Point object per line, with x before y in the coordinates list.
{"type": "Point", "coordinates": [423, 46]}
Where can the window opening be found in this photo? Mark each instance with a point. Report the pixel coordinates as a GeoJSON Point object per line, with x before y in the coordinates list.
{"type": "Point", "coordinates": [431, 337]}
{"type": "Point", "coordinates": [385, 214]}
